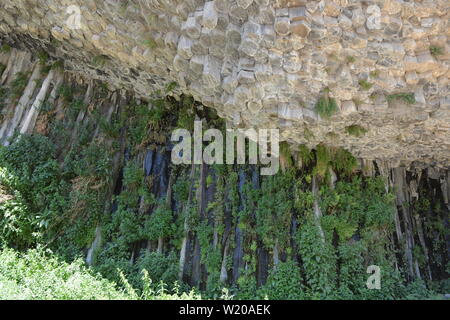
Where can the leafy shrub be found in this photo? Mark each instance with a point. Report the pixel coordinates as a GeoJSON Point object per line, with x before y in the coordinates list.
{"type": "Point", "coordinates": [34, 176]}
{"type": "Point", "coordinates": [162, 267]}
{"type": "Point", "coordinates": [285, 282]}
{"type": "Point", "coordinates": [160, 224]}
{"type": "Point", "coordinates": [16, 225]}
{"type": "Point", "coordinates": [319, 260]}
{"type": "Point", "coordinates": [36, 275]}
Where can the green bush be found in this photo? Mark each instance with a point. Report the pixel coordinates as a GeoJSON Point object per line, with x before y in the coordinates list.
{"type": "Point", "coordinates": [285, 282]}
{"type": "Point", "coordinates": [319, 261]}
{"type": "Point", "coordinates": [39, 275]}
{"type": "Point", "coordinates": [159, 266]}
{"type": "Point", "coordinates": [31, 173]}
{"type": "Point", "coordinates": [326, 106]}
{"type": "Point", "coordinates": [36, 275]}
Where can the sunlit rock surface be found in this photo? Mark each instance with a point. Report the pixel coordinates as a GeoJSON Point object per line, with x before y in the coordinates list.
{"type": "Point", "coordinates": [264, 63]}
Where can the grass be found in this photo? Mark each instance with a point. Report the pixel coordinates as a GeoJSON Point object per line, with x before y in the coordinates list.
{"type": "Point", "coordinates": [39, 275]}
{"type": "Point", "coordinates": [326, 106]}
{"type": "Point", "coordinates": [356, 130]}
{"type": "Point", "coordinates": [286, 155]}
{"type": "Point", "coordinates": [124, 6]}
{"type": "Point", "coordinates": [408, 97]}
{"type": "Point", "coordinates": [351, 59]}
{"type": "Point", "coordinates": [43, 57]}
{"type": "Point", "coordinates": [5, 48]}
{"type": "Point", "coordinates": [58, 65]}
{"type": "Point", "coordinates": [19, 83]}
{"type": "Point", "coordinates": [171, 86]}
{"type": "Point", "coordinates": [99, 60]}
{"type": "Point", "coordinates": [77, 105]}
{"type": "Point", "coordinates": [436, 51]}
{"type": "Point", "coordinates": [306, 155]}
{"type": "Point", "coordinates": [375, 73]}
{"type": "Point", "coordinates": [150, 43]}
{"type": "Point", "coordinates": [3, 96]}
{"type": "Point", "coordinates": [2, 68]}
{"type": "Point", "coordinates": [365, 85]}
{"type": "Point", "coordinates": [67, 93]}
{"type": "Point", "coordinates": [35, 275]}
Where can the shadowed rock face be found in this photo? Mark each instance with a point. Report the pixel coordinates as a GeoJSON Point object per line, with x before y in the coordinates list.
{"type": "Point", "coordinates": [265, 64]}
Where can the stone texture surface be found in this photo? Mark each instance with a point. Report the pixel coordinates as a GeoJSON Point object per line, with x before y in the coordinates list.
{"type": "Point", "coordinates": [266, 63]}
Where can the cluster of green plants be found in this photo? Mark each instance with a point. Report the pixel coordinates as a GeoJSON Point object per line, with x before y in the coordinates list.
{"type": "Point", "coordinates": [5, 48]}
{"type": "Point", "coordinates": [18, 84]}
{"type": "Point", "coordinates": [2, 68]}
{"type": "Point", "coordinates": [100, 60]}
{"type": "Point", "coordinates": [365, 85]}
{"type": "Point", "coordinates": [38, 274]}
{"type": "Point", "coordinates": [319, 235]}
{"type": "Point", "coordinates": [326, 106]}
{"type": "Point", "coordinates": [406, 97]}
{"type": "Point", "coordinates": [436, 51]}
{"type": "Point", "coordinates": [356, 130]}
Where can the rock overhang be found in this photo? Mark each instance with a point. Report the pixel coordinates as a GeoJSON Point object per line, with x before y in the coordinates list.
{"type": "Point", "coordinates": [265, 64]}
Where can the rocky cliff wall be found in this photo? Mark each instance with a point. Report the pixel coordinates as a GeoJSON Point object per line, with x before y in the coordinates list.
{"type": "Point", "coordinates": [267, 63]}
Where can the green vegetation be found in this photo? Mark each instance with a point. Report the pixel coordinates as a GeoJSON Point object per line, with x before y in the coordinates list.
{"type": "Point", "coordinates": [339, 160]}
{"type": "Point", "coordinates": [286, 155]}
{"type": "Point", "coordinates": [150, 43]}
{"type": "Point", "coordinates": [326, 106]}
{"type": "Point", "coordinates": [18, 84]}
{"type": "Point", "coordinates": [113, 182]}
{"type": "Point", "coordinates": [58, 65]}
{"type": "Point", "coordinates": [350, 59]}
{"type": "Point", "coordinates": [124, 6]}
{"type": "Point", "coordinates": [43, 57]}
{"type": "Point", "coordinates": [100, 60]}
{"type": "Point", "coordinates": [5, 48]}
{"type": "Point", "coordinates": [2, 68]}
{"type": "Point", "coordinates": [66, 92]}
{"type": "Point", "coordinates": [365, 85]}
{"type": "Point", "coordinates": [406, 97]}
{"type": "Point", "coordinates": [375, 73]}
{"type": "Point", "coordinates": [356, 130]}
{"type": "Point", "coordinates": [39, 275]}
{"type": "Point", "coordinates": [306, 155]}
{"type": "Point", "coordinates": [436, 51]}
{"type": "Point", "coordinates": [171, 86]}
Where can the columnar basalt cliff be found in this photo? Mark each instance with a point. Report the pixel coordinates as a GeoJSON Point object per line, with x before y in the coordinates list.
{"type": "Point", "coordinates": [369, 76]}
{"type": "Point", "coordinates": [86, 171]}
